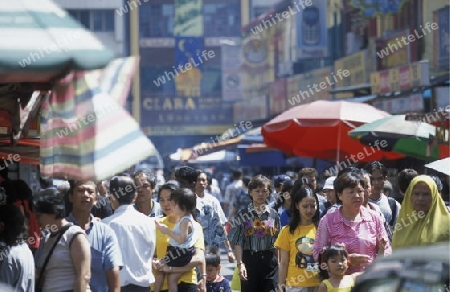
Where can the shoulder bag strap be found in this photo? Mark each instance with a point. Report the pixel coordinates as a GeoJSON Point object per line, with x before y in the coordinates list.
{"type": "Point", "coordinates": [47, 259]}
{"type": "Point", "coordinates": [393, 206]}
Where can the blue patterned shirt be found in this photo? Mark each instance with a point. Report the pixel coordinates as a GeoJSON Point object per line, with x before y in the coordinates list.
{"type": "Point", "coordinates": [212, 227]}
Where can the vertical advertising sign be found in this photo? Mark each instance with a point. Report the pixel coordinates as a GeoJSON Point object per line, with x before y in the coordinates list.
{"type": "Point", "coordinates": [312, 31]}
{"type": "Point", "coordinates": [442, 39]}
{"type": "Point", "coordinates": [231, 72]}
{"type": "Point", "coordinates": [188, 18]}
{"type": "Point", "coordinates": [188, 65]}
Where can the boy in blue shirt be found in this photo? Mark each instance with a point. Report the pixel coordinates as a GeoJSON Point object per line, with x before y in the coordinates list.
{"type": "Point", "coordinates": [214, 281]}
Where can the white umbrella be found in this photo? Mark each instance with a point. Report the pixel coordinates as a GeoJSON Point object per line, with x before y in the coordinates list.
{"type": "Point", "coordinates": [442, 165]}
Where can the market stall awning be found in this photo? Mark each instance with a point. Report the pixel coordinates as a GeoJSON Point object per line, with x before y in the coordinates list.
{"type": "Point", "coordinates": [40, 42]}
{"type": "Point", "coordinates": [85, 132]}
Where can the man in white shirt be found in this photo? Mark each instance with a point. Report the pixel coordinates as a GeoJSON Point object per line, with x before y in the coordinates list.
{"type": "Point", "coordinates": [136, 234]}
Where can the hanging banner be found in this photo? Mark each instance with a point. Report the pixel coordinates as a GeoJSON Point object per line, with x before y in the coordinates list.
{"type": "Point", "coordinates": [187, 70]}
{"type": "Point", "coordinates": [188, 18]}
{"type": "Point", "coordinates": [231, 73]}
{"type": "Point", "coordinates": [312, 31]}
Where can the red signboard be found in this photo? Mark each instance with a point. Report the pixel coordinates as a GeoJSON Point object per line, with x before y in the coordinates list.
{"type": "Point", "coordinates": [385, 84]}
{"type": "Point", "coordinates": [404, 82]}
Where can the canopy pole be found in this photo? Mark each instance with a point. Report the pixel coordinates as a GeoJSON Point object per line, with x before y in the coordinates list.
{"type": "Point", "coordinates": [338, 148]}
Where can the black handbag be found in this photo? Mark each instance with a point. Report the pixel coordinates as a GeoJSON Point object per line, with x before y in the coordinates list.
{"type": "Point", "coordinates": [39, 281]}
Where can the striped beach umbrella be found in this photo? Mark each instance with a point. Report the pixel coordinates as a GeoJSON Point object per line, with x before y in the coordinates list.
{"type": "Point", "coordinates": [40, 42]}
{"type": "Point", "coordinates": [85, 132]}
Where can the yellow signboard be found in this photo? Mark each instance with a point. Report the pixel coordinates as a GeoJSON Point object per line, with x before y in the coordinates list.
{"type": "Point", "coordinates": [357, 65]}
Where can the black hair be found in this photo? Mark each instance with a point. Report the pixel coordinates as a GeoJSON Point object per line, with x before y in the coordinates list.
{"type": "Point", "coordinates": [186, 176]}
{"type": "Point", "coordinates": [4, 171]}
{"type": "Point", "coordinates": [375, 165]}
{"type": "Point", "coordinates": [74, 183]}
{"type": "Point", "coordinates": [212, 259]}
{"type": "Point", "coordinates": [347, 170]}
{"type": "Point", "coordinates": [185, 199]}
{"type": "Point", "coordinates": [438, 182]}
{"type": "Point", "coordinates": [45, 183]}
{"type": "Point", "coordinates": [23, 192]}
{"type": "Point", "coordinates": [123, 189]}
{"type": "Point", "coordinates": [259, 181]}
{"type": "Point", "coordinates": [331, 251]}
{"type": "Point", "coordinates": [50, 201]}
{"type": "Point", "coordinates": [246, 180]}
{"type": "Point", "coordinates": [404, 177]}
{"type": "Point", "coordinates": [295, 214]}
{"type": "Point", "coordinates": [300, 183]}
{"type": "Point", "coordinates": [171, 185]}
{"type": "Point", "coordinates": [236, 174]}
{"type": "Point", "coordinates": [149, 175]}
{"type": "Point", "coordinates": [287, 187]}
{"type": "Point", "coordinates": [13, 221]}
{"type": "Point", "coordinates": [348, 180]}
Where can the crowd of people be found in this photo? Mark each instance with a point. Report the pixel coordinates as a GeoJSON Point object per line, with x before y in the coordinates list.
{"type": "Point", "coordinates": [287, 233]}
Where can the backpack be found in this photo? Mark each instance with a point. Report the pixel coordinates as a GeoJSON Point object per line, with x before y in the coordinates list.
{"type": "Point", "coordinates": [393, 204]}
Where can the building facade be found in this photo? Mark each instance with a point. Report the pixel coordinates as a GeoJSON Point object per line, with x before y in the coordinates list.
{"type": "Point", "coordinates": [102, 19]}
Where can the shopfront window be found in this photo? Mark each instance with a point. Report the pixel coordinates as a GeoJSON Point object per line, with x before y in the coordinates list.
{"type": "Point", "coordinates": [222, 20]}
{"type": "Point", "coordinates": [156, 20]}
{"type": "Point", "coordinates": [95, 20]}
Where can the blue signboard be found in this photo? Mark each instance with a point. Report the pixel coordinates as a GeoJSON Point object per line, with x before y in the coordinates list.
{"type": "Point", "coordinates": [205, 115]}
{"type": "Point", "coordinates": [312, 31]}
{"type": "Point", "coordinates": [370, 8]}
{"type": "Point", "coordinates": [443, 33]}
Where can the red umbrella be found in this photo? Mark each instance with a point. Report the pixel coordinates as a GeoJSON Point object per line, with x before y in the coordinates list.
{"type": "Point", "coordinates": [320, 130]}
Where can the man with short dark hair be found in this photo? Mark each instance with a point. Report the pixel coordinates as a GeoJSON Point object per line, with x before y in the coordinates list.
{"type": "Point", "coordinates": [106, 258]}
{"type": "Point", "coordinates": [145, 181]}
{"type": "Point", "coordinates": [136, 234]}
{"type": "Point", "coordinates": [388, 206]}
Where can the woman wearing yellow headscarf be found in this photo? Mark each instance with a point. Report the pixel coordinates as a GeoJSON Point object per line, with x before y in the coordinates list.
{"type": "Point", "coordinates": [423, 218]}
